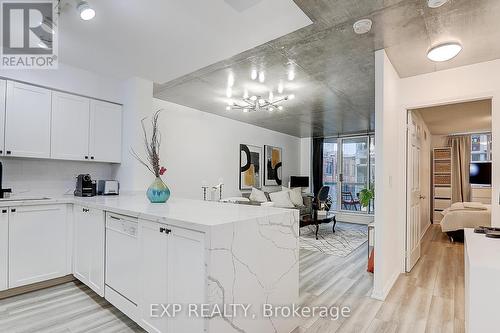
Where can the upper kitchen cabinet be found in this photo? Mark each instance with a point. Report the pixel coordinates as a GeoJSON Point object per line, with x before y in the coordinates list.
{"type": "Point", "coordinates": [3, 88]}
{"type": "Point", "coordinates": [70, 127]}
{"type": "Point", "coordinates": [105, 143]}
{"type": "Point", "coordinates": [27, 121]}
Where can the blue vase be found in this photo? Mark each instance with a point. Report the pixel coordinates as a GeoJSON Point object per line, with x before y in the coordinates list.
{"type": "Point", "coordinates": [158, 192]}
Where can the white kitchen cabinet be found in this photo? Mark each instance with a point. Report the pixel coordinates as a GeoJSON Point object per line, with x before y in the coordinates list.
{"type": "Point", "coordinates": [3, 90]}
{"type": "Point", "coordinates": [4, 248]}
{"type": "Point", "coordinates": [27, 121]}
{"type": "Point", "coordinates": [37, 244]}
{"type": "Point", "coordinates": [70, 127]}
{"type": "Point", "coordinates": [88, 243]}
{"type": "Point", "coordinates": [105, 143]}
{"type": "Point", "coordinates": [172, 272]}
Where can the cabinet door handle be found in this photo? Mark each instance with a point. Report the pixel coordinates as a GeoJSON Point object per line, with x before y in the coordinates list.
{"type": "Point", "coordinates": [1, 151]}
{"type": "Point", "coordinates": [13, 210]}
{"type": "Point", "coordinates": [86, 157]}
{"type": "Point", "coordinates": [91, 157]}
{"type": "Point", "coordinates": [162, 229]}
{"type": "Point", "coordinates": [4, 211]}
{"type": "Point", "coordinates": [8, 152]}
{"type": "Point", "coordinates": [85, 210]}
{"type": "Point", "coordinates": [167, 231]}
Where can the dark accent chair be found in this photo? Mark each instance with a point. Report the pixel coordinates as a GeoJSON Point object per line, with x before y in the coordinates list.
{"type": "Point", "coordinates": [321, 198]}
{"type": "Point", "coordinates": [348, 201]}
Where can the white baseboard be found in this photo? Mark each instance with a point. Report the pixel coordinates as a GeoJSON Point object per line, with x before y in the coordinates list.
{"type": "Point", "coordinates": [381, 295]}
{"type": "Point", "coordinates": [425, 230]}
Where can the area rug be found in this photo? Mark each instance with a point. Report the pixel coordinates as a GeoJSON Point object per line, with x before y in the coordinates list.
{"type": "Point", "coordinates": [347, 238]}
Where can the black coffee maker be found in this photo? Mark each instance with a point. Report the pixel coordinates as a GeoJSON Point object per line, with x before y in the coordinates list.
{"type": "Point", "coordinates": [85, 186]}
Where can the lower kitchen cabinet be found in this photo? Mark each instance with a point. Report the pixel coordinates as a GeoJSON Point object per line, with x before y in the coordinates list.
{"type": "Point", "coordinates": [4, 248]}
{"type": "Point", "coordinates": [88, 242]}
{"type": "Point", "coordinates": [172, 266]}
{"type": "Point", "coordinates": [38, 245]}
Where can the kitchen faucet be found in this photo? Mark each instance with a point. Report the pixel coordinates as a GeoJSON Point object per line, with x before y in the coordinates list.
{"type": "Point", "coordinates": [3, 190]}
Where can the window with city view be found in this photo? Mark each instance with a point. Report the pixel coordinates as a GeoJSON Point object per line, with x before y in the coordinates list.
{"type": "Point", "coordinates": [481, 147]}
{"type": "Point", "coordinates": [348, 168]}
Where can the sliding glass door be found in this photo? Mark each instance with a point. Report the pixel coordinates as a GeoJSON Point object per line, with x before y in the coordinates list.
{"type": "Point", "coordinates": [354, 172]}
{"type": "Point", "coordinates": [348, 168]}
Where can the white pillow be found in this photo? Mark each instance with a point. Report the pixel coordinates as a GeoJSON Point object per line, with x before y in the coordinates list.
{"type": "Point", "coordinates": [258, 195]}
{"type": "Point", "coordinates": [282, 199]}
{"type": "Point", "coordinates": [295, 195]}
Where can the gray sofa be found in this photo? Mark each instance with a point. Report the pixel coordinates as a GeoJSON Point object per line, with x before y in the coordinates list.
{"type": "Point", "coordinates": [306, 209]}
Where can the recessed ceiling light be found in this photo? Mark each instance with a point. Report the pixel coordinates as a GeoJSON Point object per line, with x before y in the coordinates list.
{"type": "Point", "coordinates": [444, 52]}
{"type": "Point", "coordinates": [436, 3]}
{"type": "Point", "coordinates": [362, 26]}
{"type": "Point", "coordinates": [86, 12]}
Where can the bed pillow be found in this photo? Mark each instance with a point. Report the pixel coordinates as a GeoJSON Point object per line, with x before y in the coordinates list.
{"type": "Point", "coordinates": [295, 195]}
{"type": "Point", "coordinates": [282, 199]}
{"type": "Point", "coordinates": [258, 195]}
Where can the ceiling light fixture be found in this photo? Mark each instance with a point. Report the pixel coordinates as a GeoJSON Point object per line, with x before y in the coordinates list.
{"type": "Point", "coordinates": [253, 74]}
{"type": "Point", "coordinates": [436, 3]}
{"type": "Point", "coordinates": [230, 79]}
{"type": "Point", "coordinates": [262, 77]}
{"type": "Point", "coordinates": [362, 26]}
{"type": "Point", "coordinates": [86, 12]}
{"type": "Point", "coordinates": [257, 103]}
{"type": "Point", "coordinates": [280, 87]}
{"type": "Point", "coordinates": [444, 52]}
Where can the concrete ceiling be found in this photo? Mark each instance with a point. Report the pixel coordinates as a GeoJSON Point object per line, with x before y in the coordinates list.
{"type": "Point", "coordinates": [160, 40]}
{"type": "Point", "coordinates": [334, 84]}
{"type": "Point", "coordinates": [458, 118]}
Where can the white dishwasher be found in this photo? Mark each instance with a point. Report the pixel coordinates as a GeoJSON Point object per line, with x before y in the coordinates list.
{"type": "Point", "coordinates": [122, 262]}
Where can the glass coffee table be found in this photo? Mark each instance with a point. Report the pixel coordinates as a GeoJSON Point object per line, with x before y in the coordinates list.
{"type": "Point", "coordinates": [315, 219]}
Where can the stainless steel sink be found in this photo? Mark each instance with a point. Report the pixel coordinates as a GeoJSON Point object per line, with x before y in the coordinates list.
{"type": "Point", "coordinates": [25, 198]}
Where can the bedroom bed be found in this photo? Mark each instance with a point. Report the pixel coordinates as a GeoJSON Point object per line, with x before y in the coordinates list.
{"type": "Point", "coordinates": [464, 215]}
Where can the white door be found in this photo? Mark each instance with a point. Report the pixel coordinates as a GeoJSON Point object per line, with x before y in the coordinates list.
{"type": "Point", "coordinates": [27, 121]}
{"type": "Point", "coordinates": [70, 127]}
{"type": "Point", "coordinates": [4, 247]}
{"type": "Point", "coordinates": [37, 244]}
{"type": "Point", "coordinates": [105, 132]}
{"type": "Point", "coordinates": [186, 276]}
{"type": "Point", "coordinates": [414, 195]}
{"type": "Point", "coordinates": [153, 278]}
{"type": "Point", "coordinates": [88, 258]}
{"type": "Point", "coordinates": [3, 90]}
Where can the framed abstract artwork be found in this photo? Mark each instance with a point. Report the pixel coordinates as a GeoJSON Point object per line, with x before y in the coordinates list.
{"type": "Point", "coordinates": [250, 170]}
{"type": "Point", "coordinates": [272, 166]}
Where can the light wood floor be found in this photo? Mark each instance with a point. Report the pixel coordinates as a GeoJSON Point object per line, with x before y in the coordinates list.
{"type": "Point", "coordinates": [429, 299]}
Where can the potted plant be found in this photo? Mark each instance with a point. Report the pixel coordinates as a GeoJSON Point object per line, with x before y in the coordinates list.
{"type": "Point", "coordinates": [158, 191]}
{"type": "Point", "coordinates": [366, 196]}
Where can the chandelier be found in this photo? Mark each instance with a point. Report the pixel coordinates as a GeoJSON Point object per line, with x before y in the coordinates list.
{"type": "Point", "coordinates": [258, 103]}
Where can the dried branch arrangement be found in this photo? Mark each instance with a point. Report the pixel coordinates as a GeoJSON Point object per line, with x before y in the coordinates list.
{"type": "Point", "coordinates": [152, 146]}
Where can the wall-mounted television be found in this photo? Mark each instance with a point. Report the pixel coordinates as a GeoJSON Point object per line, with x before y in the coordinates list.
{"type": "Point", "coordinates": [480, 173]}
{"type": "Point", "coordinates": [297, 181]}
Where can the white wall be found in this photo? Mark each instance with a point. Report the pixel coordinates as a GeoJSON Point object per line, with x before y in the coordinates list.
{"type": "Point", "coordinates": [478, 81]}
{"type": "Point", "coordinates": [306, 159]}
{"type": "Point", "coordinates": [199, 146]}
{"type": "Point", "coordinates": [467, 83]}
{"type": "Point", "coordinates": [389, 192]}
{"type": "Point", "coordinates": [137, 104]}
{"type": "Point", "coordinates": [51, 177]}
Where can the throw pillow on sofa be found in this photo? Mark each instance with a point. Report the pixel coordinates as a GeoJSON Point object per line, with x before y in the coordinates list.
{"type": "Point", "coordinates": [282, 199]}
{"type": "Point", "coordinates": [258, 195]}
{"type": "Point", "coordinates": [295, 195]}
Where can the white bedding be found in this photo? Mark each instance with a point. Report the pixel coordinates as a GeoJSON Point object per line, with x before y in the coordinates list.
{"type": "Point", "coordinates": [458, 217]}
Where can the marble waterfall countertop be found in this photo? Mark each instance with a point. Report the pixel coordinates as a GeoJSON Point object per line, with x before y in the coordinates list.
{"type": "Point", "coordinates": [197, 212]}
